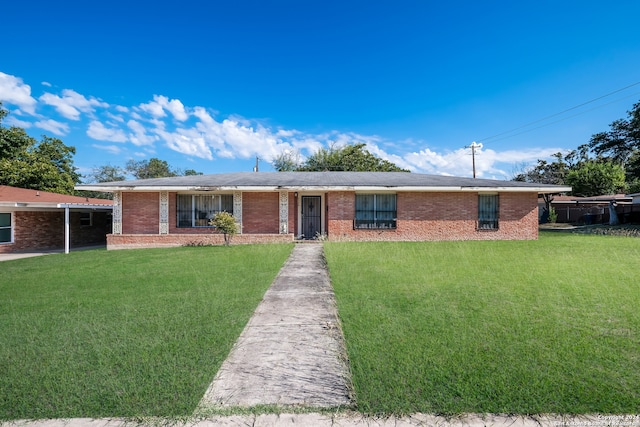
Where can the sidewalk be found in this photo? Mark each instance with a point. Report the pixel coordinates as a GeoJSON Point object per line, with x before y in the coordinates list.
{"type": "Point", "coordinates": [292, 350]}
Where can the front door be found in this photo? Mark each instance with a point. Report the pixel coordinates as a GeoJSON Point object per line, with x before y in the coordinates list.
{"type": "Point", "coordinates": [311, 216]}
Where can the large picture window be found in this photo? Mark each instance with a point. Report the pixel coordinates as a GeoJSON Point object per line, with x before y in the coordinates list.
{"type": "Point", "coordinates": [196, 210]}
{"type": "Point", "coordinates": [5, 228]}
{"type": "Point", "coordinates": [488, 209]}
{"type": "Point", "coordinates": [377, 211]}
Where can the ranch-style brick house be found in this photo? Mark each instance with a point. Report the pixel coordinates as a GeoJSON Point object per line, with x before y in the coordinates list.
{"type": "Point", "coordinates": [338, 206]}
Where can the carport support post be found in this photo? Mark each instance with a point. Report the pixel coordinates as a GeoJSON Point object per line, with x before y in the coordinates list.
{"type": "Point", "coordinates": [66, 229]}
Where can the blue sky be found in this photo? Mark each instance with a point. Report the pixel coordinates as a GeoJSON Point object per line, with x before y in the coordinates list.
{"type": "Point", "coordinates": [210, 85]}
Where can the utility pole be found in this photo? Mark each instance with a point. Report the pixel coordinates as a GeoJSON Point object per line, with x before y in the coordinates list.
{"type": "Point", "coordinates": [473, 147]}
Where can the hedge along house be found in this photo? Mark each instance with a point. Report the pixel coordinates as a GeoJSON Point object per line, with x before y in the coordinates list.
{"type": "Point", "coordinates": [32, 220]}
{"type": "Point", "coordinates": [343, 206]}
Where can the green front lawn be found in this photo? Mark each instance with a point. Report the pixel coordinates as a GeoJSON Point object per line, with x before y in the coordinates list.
{"type": "Point", "coordinates": [124, 333]}
{"type": "Point", "coordinates": [547, 326]}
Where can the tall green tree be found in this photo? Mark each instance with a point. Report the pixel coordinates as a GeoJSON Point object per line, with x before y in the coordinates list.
{"type": "Point", "coordinates": [152, 168]}
{"type": "Point", "coordinates": [596, 177]}
{"type": "Point", "coordinates": [544, 172]}
{"type": "Point", "coordinates": [45, 165]}
{"type": "Point", "coordinates": [287, 161]}
{"type": "Point", "coordinates": [622, 140]}
{"type": "Point", "coordinates": [350, 158]}
{"type": "Point", "coordinates": [107, 173]}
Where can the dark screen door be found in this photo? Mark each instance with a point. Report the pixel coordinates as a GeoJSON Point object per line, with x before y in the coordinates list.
{"type": "Point", "coordinates": [311, 216]}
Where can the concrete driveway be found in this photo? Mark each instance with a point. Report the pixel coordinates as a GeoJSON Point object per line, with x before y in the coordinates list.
{"type": "Point", "coordinates": [20, 255]}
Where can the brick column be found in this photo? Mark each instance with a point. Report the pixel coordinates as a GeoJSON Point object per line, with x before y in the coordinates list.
{"type": "Point", "coordinates": [237, 209]}
{"type": "Point", "coordinates": [164, 212]}
{"type": "Point", "coordinates": [284, 212]}
{"type": "Point", "coordinates": [117, 212]}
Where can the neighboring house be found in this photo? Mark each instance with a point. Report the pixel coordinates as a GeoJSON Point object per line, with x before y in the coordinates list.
{"type": "Point", "coordinates": [341, 206]}
{"type": "Point", "coordinates": [32, 220]}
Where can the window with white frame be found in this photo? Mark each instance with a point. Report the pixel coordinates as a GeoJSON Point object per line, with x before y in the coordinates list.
{"type": "Point", "coordinates": [5, 228]}
{"type": "Point", "coordinates": [488, 211]}
{"type": "Point", "coordinates": [196, 210]}
{"type": "Point", "coordinates": [375, 211]}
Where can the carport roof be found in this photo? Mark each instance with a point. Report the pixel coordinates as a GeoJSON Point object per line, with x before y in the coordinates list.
{"type": "Point", "coordinates": [23, 197]}
{"type": "Point", "coordinates": [326, 181]}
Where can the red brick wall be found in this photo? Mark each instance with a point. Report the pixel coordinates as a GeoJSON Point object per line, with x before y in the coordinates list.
{"type": "Point", "coordinates": [133, 241]}
{"type": "Point", "coordinates": [261, 213]}
{"type": "Point", "coordinates": [438, 216]}
{"type": "Point", "coordinates": [38, 230]}
{"type": "Point", "coordinates": [141, 213]}
{"type": "Point", "coordinates": [421, 216]}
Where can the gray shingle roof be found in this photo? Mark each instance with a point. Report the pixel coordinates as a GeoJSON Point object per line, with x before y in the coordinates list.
{"type": "Point", "coordinates": [319, 180]}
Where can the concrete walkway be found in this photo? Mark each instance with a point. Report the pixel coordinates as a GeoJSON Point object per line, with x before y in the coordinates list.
{"type": "Point", "coordinates": [292, 350]}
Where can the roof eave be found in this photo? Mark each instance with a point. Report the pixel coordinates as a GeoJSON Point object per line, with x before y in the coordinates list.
{"type": "Point", "coordinates": [142, 188]}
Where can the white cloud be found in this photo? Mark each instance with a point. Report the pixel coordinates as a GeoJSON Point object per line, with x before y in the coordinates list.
{"type": "Point", "coordinates": [12, 121]}
{"type": "Point", "coordinates": [160, 104]}
{"type": "Point", "coordinates": [139, 135]}
{"type": "Point", "coordinates": [189, 142]}
{"type": "Point", "coordinates": [115, 117]}
{"type": "Point", "coordinates": [71, 104]}
{"type": "Point", "coordinates": [47, 84]}
{"type": "Point", "coordinates": [113, 149]}
{"type": "Point", "coordinates": [14, 91]}
{"type": "Point", "coordinates": [98, 131]}
{"type": "Point", "coordinates": [53, 126]}
{"type": "Point", "coordinates": [121, 109]}
{"type": "Point", "coordinates": [176, 108]}
{"type": "Point", "coordinates": [154, 108]}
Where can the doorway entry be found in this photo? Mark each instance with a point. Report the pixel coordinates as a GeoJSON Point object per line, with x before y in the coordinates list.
{"type": "Point", "coordinates": [311, 216]}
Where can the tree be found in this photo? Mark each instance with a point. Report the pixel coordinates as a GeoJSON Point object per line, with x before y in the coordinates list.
{"type": "Point", "coordinates": [622, 140]}
{"type": "Point", "coordinates": [107, 173]}
{"type": "Point", "coordinates": [352, 158]}
{"type": "Point", "coordinates": [596, 177]}
{"type": "Point", "coordinates": [225, 223]}
{"type": "Point", "coordinates": [46, 165]}
{"type": "Point", "coordinates": [287, 161]}
{"type": "Point", "coordinates": [191, 172]}
{"type": "Point", "coordinates": [553, 173]}
{"type": "Point", "coordinates": [152, 168]}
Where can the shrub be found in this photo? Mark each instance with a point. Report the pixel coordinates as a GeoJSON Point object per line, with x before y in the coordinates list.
{"type": "Point", "coordinates": [226, 224]}
{"type": "Point", "coordinates": [553, 215]}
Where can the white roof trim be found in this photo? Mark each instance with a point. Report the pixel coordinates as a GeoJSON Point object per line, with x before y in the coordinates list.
{"type": "Point", "coordinates": [53, 205]}
{"type": "Point", "coordinates": [435, 189]}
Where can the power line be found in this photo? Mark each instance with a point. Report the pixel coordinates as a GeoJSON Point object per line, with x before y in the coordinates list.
{"type": "Point", "coordinates": [565, 118]}
{"type": "Point", "coordinates": [557, 114]}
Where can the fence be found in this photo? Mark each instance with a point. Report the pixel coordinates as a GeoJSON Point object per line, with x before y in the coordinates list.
{"type": "Point", "coordinates": [595, 213]}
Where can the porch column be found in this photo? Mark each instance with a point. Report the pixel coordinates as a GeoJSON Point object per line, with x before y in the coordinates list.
{"type": "Point", "coordinates": [164, 212]}
{"type": "Point", "coordinates": [66, 229]}
{"type": "Point", "coordinates": [237, 209]}
{"type": "Point", "coordinates": [117, 213]}
{"type": "Point", "coordinates": [284, 212]}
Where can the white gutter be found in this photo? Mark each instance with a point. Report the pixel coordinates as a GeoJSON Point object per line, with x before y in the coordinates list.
{"type": "Point", "coordinates": [438, 189]}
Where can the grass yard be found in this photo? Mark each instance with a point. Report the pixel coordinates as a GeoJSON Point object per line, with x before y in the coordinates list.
{"type": "Point", "coordinates": [547, 326]}
{"type": "Point", "coordinates": [124, 333]}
